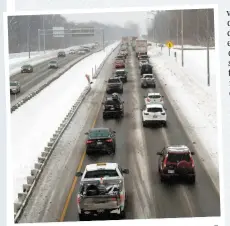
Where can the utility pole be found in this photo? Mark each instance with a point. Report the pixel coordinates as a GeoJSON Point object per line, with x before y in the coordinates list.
{"type": "Point", "coordinates": [103, 39]}
{"type": "Point", "coordinates": [208, 39]}
{"type": "Point", "coordinates": [28, 36]}
{"type": "Point", "coordinates": [44, 33]}
{"type": "Point", "coordinates": [177, 28]}
{"type": "Point", "coordinates": [39, 47]}
{"type": "Point", "coordinates": [182, 38]}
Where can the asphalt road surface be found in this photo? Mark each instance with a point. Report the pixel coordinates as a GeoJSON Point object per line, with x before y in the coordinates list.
{"type": "Point", "coordinates": [54, 197]}
{"type": "Point", "coordinates": [41, 72]}
{"type": "Point", "coordinates": [136, 150]}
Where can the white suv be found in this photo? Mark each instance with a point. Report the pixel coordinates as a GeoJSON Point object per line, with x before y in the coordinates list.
{"type": "Point", "coordinates": [154, 113]}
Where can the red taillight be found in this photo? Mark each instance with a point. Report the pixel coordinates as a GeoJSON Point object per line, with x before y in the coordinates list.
{"type": "Point", "coordinates": [78, 199]}
{"type": "Point", "coordinates": [165, 161]}
{"type": "Point", "coordinates": [109, 140]}
{"type": "Point", "coordinates": [163, 113]}
{"type": "Point", "coordinates": [113, 199]}
{"type": "Point", "coordinates": [89, 142]}
{"type": "Point", "coordinates": [121, 197]}
{"type": "Point", "coordinates": [192, 161]}
{"type": "Point", "coordinates": [148, 99]}
{"type": "Point", "coordinates": [146, 113]}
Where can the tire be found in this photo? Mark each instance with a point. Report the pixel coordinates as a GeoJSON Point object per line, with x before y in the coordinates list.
{"type": "Point", "coordinates": [154, 86]}
{"type": "Point", "coordinates": [162, 179]}
{"type": "Point", "coordinates": [192, 180]}
{"type": "Point", "coordinates": [121, 91]}
{"type": "Point", "coordinates": [122, 215]}
{"type": "Point", "coordinates": [144, 124]}
{"type": "Point", "coordinates": [82, 217]}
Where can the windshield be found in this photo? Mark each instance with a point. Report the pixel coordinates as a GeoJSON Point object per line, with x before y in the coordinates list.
{"type": "Point", "coordinates": [53, 62]}
{"type": "Point", "coordinates": [119, 61]}
{"type": "Point", "coordinates": [148, 76]}
{"type": "Point", "coordinates": [101, 173]}
{"type": "Point", "coordinates": [109, 102]}
{"type": "Point", "coordinates": [177, 157]}
{"type": "Point", "coordinates": [99, 133]}
{"type": "Point", "coordinates": [114, 80]}
{"type": "Point", "coordinates": [13, 83]}
{"type": "Point", "coordinates": [25, 66]}
{"type": "Point", "coordinates": [154, 96]}
{"type": "Point", "coordinates": [155, 110]}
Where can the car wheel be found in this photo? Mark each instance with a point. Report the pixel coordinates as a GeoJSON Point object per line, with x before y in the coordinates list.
{"type": "Point", "coordinates": [82, 217]}
{"type": "Point", "coordinates": [121, 91]}
{"type": "Point", "coordinates": [192, 180]}
{"type": "Point", "coordinates": [162, 178]}
{"type": "Point", "coordinates": [104, 117]}
{"type": "Point", "coordinates": [122, 215]}
{"type": "Point", "coordinates": [154, 86]}
{"type": "Point", "coordinates": [144, 124]}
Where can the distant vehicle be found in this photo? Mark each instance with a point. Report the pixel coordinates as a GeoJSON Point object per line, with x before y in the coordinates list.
{"type": "Point", "coordinates": [120, 57]}
{"type": "Point", "coordinates": [27, 69]}
{"type": "Point", "coordinates": [146, 69]}
{"type": "Point", "coordinates": [149, 44]}
{"type": "Point", "coordinates": [15, 87]}
{"type": "Point", "coordinates": [101, 140]}
{"type": "Point", "coordinates": [87, 49]}
{"type": "Point", "coordinates": [119, 64]}
{"type": "Point", "coordinates": [72, 51]}
{"type": "Point", "coordinates": [121, 74]}
{"type": "Point", "coordinates": [148, 80]}
{"type": "Point", "coordinates": [115, 85]}
{"type": "Point", "coordinates": [154, 114]}
{"type": "Point", "coordinates": [53, 64]}
{"type": "Point", "coordinates": [81, 51]}
{"type": "Point", "coordinates": [113, 107]}
{"type": "Point", "coordinates": [154, 98]}
{"type": "Point", "coordinates": [176, 161]}
{"type": "Point", "coordinates": [141, 46]}
{"type": "Point", "coordinates": [142, 62]}
{"type": "Point", "coordinates": [143, 57]}
{"type": "Point", "coordinates": [101, 191]}
{"type": "Point", "coordinates": [124, 53]}
{"type": "Point", "coordinates": [61, 54]}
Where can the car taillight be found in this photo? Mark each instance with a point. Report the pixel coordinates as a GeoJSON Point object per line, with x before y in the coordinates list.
{"type": "Point", "coordinates": [121, 197]}
{"type": "Point", "coordinates": [192, 161]}
{"type": "Point", "coordinates": [165, 162]}
{"type": "Point", "coordinates": [148, 99]}
{"type": "Point", "coordinates": [78, 199]}
{"type": "Point", "coordinates": [163, 113]}
{"type": "Point", "coordinates": [109, 140]}
{"type": "Point", "coordinates": [113, 199]}
{"type": "Point", "coordinates": [89, 142]}
{"type": "Point", "coordinates": [146, 113]}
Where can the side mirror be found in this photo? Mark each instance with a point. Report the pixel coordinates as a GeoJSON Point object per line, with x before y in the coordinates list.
{"type": "Point", "coordinates": [87, 133]}
{"type": "Point", "coordinates": [159, 153]}
{"type": "Point", "coordinates": [192, 153]}
{"type": "Point", "coordinates": [125, 171]}
{"type": "Point", "coordinates": [78, 174]}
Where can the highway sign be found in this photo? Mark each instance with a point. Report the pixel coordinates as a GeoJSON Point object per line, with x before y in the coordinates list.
{"type": "Point", "coordinates": [169, 44]}
{"type": "Point", "coordinates": [58, 32]}
{"type": "Point", "coordinates": [82, 32]}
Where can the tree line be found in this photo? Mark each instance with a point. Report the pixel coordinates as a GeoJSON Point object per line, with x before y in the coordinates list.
{"type": "Point", "coordinates": [198, 26]}
{"type": "Point", "coordinates": [23, 33]}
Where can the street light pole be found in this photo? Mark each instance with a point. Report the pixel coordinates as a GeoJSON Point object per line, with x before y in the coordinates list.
{"type": "Point", "coordinates": [39, 47]}
{"type": "Point", "coordinates": [44, 33]}
{"type": "Point", "coordinates": [182, 38]}
{"type": "Point", "coordinates": [208, 39]}
{"type": "Point", "coordinates": [28, 36]}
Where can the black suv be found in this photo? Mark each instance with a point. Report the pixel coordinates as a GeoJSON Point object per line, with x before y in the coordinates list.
{"type": "Point", "coordinates": [27, 69]}
{"type": "Point", "coordinates": [115, 85]}
{"type": "Point", "coordinates": [101, 140]}
{"type": "Point", "coordinates": [146, 69]}
{"type": "Point", "coordinates": [176, 161]}
{"type": "Point", "coordinates": [61, 54]}
{"type": "Point", "coordinates": [113, 108]}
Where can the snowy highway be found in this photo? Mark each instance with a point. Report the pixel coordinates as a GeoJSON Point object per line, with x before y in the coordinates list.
{"type": "Point", "coordinates": [40, 75]}
{"type": "Point", "coordinates": [54, 198]}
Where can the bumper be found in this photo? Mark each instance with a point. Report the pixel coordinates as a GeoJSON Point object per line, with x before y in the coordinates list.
{"type": "Point", "coordinates": [161, 121]}
{"type": "Point", "coordinates": [26, 71]}
{"type": "Point", "coordinates": [14, 91]}
{"type": "Point", "coordinates": [101, 213]}
{"type": "Point", "coordinates": [112, 113]}
{"type": "Point", "coordinates": [152, 84]}
{"type": "Point", "coordinates": [167, 176]}
{"type": "Point", "coordinates": [53, 67]}
{"type": "Point", "coordinates": [98, 150]}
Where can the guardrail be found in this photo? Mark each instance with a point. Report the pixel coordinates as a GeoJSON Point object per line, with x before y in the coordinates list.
{"type": "Point", "coordinates": [32, 180]}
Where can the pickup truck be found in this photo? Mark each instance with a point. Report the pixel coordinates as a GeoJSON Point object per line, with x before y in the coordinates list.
{"type": "Point", "coordinates": [101, 191]}
{"type": "Point", "coordinates": [115, 85]}
{"type": "Point", "coordinates": [148, 80]}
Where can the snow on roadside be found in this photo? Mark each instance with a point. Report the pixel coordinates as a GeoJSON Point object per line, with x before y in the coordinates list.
{"type": "Point", "coordinates": [35, 122]}
{"type": "Point", "coordinates": [16, 60]}
{"type": "Point", "coordinates": [188, 88]}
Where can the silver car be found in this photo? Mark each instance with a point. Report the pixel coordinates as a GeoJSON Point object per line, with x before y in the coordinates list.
{"type": "Point", "coordinates": [15, 87]}
{"type": "Point", "coordinates": [148, 80]}
{"type": "Point", "coordinates": [154, 98]}
{"type": "Point", "coordinates": [53, 64]}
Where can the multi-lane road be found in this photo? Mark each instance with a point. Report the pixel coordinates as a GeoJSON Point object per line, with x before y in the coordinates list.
{"type": "Point", "coordinates": [54, 198]}
{"type": "Point", "coordinates": [40, 73]}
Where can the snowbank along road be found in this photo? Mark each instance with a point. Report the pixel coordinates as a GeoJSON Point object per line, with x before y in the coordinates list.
{"type": "Point", "coordinates": [54, 198]}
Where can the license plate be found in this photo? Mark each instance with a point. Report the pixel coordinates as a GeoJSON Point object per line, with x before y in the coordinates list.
{"type": "Point", "coordinates": [155, 116]}
{"type": "Point", "coordinates": [171, 171]}
{"type": "Point", "coordinates": [99, 142]}
{"type": "Point", "coordinates": [100, 211]}
{"type": "Point", "coordinates": [112, 108]}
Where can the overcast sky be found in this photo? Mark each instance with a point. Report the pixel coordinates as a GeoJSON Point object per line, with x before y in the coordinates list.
{"type": "Point", "coordinates": [120, 19]}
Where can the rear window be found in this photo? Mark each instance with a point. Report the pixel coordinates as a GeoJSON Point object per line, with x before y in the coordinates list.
{"type": "Point", "coordinates": [154, 96]}
{"type": "Point", "coordinates": [109, 102]}
{"type": "Point", "coordinates": [114, 80]}
{"type": "Point", "coordinates": [148, 76]}
{"type": "Point", "coordinates": [101, 173]}
{"type": "Point", "coordinates": [13, 83]}
{"type": "Point", "coordinates": [99, 133]}
{"type": "Point", "coordinates": [26, 66]}
{"type": "Point", "coordinates": [174, 157]}
{"type": "Point", "coordinates": [155, 110]}
{"type": "Point", "coordinates": [53, 62]}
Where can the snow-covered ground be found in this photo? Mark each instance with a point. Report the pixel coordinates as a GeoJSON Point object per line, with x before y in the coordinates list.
{"type": "Point", "coordinates": [187, 88]}
{"type": "Point", "coordinates": [17, 59]}
{"type": "Point", "coordinates": [32, 128]}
